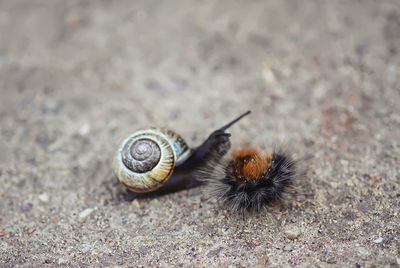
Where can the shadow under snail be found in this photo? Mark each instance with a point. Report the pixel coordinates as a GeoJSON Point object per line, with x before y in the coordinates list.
{"type": "Point", "coordinates": [146, 159]}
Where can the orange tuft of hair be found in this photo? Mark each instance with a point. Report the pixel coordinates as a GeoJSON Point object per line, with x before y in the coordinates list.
{"type": "Point", "coordinates": [249, 165]}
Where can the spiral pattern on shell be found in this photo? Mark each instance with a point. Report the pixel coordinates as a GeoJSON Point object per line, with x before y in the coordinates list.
{"type": "Point", "coordinates": [141, 155]}
{"type": "Point", "coordinates": [147, 158]}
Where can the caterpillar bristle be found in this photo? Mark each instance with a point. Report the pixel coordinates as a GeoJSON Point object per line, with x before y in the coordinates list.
{"type": "Point", "coordinates": [248, 164]}
{"type": "Point", "coordinates": [250, 181]}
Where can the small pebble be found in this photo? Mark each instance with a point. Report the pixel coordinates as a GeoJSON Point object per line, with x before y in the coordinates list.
{"type": "Point", "coordinates": [363, 251]}
{"type": "Point", "coordinates": [136, 203]}
{"type": "Point", "coordinates": [52, 106]}
{"type": "Point", "coordinates": [31, 230]}
{"type": "Point", "coordinates": [287, 248]}
{"type": "Point", "coordinates": [44, 198]}
{"type": "Point", "coordinates": [26, 207]}
{"type": "Point", "coordinates": [84, 129]}
{"type": "Point", "coordinates": [378, 240]}
{"type": "Point", "coordinates": [62, 261]}
{"type": "Point", "coordinates": [4, 234]}
{"type": "Point", "coordinates": [334, 185]}
{"type": "Point", "coordinates": [86, 213]}
{"type": "Point", "coordinates": [292, 233]}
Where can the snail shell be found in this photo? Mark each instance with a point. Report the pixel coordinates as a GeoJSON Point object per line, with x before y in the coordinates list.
{"type": "Point", "coordinates": [146, 159]}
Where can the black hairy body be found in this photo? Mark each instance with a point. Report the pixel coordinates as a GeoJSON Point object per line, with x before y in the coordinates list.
{"type": "Point", "coordinates": [250, 181]}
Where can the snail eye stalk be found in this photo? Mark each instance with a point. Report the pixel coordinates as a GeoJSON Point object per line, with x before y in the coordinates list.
{"type": "Point", "coordinates": [215, 146]}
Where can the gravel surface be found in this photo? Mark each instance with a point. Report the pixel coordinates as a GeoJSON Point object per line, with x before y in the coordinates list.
{"type": "Point", "coordinates": [321, 78]}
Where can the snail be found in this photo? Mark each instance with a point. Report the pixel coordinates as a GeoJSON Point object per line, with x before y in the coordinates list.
{"type": "Point", "coordinates": [146, 159]}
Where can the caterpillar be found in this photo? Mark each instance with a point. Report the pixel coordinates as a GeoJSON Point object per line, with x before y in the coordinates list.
{"type": "Point", "coordinates": [249, 181]}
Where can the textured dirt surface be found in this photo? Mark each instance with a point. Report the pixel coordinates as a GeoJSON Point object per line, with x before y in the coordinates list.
{"type": "Point", "coordinates": [321, 77]}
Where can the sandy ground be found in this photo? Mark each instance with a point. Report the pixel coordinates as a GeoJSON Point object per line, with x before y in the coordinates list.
{"type": "Point", "coordinates": [321, 77]}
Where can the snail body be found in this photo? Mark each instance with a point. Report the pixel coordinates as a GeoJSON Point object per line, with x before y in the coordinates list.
{"type": "Point", "coordinates": [146, 159]}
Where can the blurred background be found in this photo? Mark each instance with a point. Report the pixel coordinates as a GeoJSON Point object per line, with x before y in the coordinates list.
{"type": "Point", "coordinates": [76, 77]}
